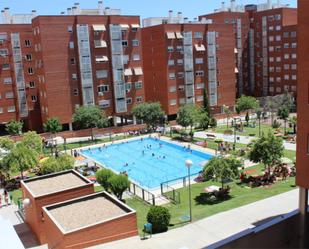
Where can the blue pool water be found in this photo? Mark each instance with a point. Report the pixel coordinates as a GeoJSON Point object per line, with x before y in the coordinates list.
{"type": "Point", "coordinates": [158, 163]}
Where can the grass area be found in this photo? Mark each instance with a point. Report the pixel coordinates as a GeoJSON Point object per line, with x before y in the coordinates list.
{"type": "Point", "coordinates": [240, 195]}
{"type": "Point", "coordinates": [16, 194]}
{"type": "Point", "coordinates": [291, 154]}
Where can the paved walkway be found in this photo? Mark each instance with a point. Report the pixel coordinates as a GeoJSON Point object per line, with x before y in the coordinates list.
{"type": "Point", "coordinates": [242, 139]}
{"type": "Point", "coordinates": [215, 228]}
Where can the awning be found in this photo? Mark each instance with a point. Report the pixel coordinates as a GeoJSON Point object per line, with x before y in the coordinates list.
{"type": "Point", "coordinates": [128, 72]}
{"type": "Point", "coordinates": [235, 51]}
{"type": "Point", "coordinates": [102, 58]}
{"type": "Point", "coordinates": [135, 26]}
{"type": "Point", "coordinates": [236, 70]}
{"type": "Point", "coordinates": [124, 26]}
{"type": "Point", "coordinates": [99, 27]}
{"type": "Point", "coordinates": [170, 35]}
{"type": "Point", "coordinates": [199, 47]}
{"type": "Point", "coordinates": [179, 35]}
{"type": "Point", "coordinates": [100, 44]}
{"type": "Point", "coordinates": [138, 71]}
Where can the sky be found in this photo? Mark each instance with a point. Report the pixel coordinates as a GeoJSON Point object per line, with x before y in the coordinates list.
{"type": "Point", "coordinates": [144, 8]}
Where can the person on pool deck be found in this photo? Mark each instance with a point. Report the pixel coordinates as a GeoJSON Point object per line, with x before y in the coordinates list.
{"type": "Point", "coordinates": [75, 153]}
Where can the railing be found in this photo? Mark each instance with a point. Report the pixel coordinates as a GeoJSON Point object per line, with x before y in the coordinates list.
{"type": "Point", "coordinates": [142, 193]}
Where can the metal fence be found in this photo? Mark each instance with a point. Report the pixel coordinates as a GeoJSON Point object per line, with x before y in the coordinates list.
{"type": "Point", "coordinates": [170, 193]}
{"type": "Point", "coordinates": [142, 193]}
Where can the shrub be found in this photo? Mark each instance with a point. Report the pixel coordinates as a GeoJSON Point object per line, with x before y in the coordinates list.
{"type": "Point", "coordinates": [276, 124]}
{"type": "Point", "coordinates": [218, 140]}
{"type": "Point", "coordinates": [213, 123]}
{"type": "Point", "coordinates": [118, 184]}
{"type": "Point", "coordinates": [228, 132]}
{"type": "Point", "coordinates": [103, 176]}
{"type": "Point", "coordinates": [159, 217]}
{"type": "Point", "coordinates": [53, 165]}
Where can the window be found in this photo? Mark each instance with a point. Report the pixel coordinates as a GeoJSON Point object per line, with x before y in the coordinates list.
{"type": "Point", "coordinates": [1, 109]}
{"type": "Point", "coordinates": [4, 52]}
{"type": "Point", "coordinates": [294, 56]}
{"type": "Point", "coordinates": [286, 45]}
{"type": "Point", "coordinates": [104, 103]}
{"type": "Point", "coordinates": [271, 79]}
{"type": "Point", "coordinates": [278, 27]}
{"type": "Point", "coordinates": [101, 74]}
{"type": "Point", "coordinates": [278, 69]}
{"type": "Point", "coordinates": [199, 61]}
{"type": "Point", "coordinates": [199, 98]}
{"type": "Point", "coordinates": [125, 43]}
{"type": "Point", "coordinates": [5, 66]}
{"type": "Point", "coordinates": [103, 88]}
{"type": "Point", "coordinates": [170, 49]}
{"type": "Point", "coordinates": [125, 59]}
{"type": "Point", "coordinates": [9, 95]}
{"type": "Point", "coordinates": [271, 69]}
{"type": "Point", "coordinates": [173, 102]}
{"type": "Point", "coordinates": [286, 34]}
{"type": "Point", "coordinates": [198, 35]}
{"type": "Point", "coordinates": [271, 28]}
{"type": "Point", "coordinates": [71, 45]}
{"type": "Point", "coordinates": [138, 85]}
{"type": "Point", "coordinates": [34, 98]}
{"type": "Point", "coordinates": [294, 77]}
{"type": "Point", "coordinates": [294, 45]}
{"type": "Point", "coordinates": [293, 34]}
{"type": "Point", "coordinates": [286, 77]}
{"type": "Point", "coordinates": [294, 66]}
{"type": "Point", "coordinates": [180, 61]}
{"type": "Point", "coordinates": [30, 70]}
{"type": "Point", "coordinates": [286, 88]}
{"type": "Point", "coordinates": [136, 57]}
{"type": "Point", "coordinates": [172, 89]}
{"type": "Point", "coordinates": [135, 43]}
{"type": "Point", "coordinates": [278, 17]}
{"type": "Point", "coordinates": [75, 91]}
{"type": "Point", "coordinates": [182, 101]}
{"type": "Point", "coordinates": [278, 48]}
{"type": "Point", "coordinates": [7, 81]}
{"type": "Point", "coordinates": [278, 79]}
{"type": "Point", "coordinates": [286, 66]}
{"type": "Point", "coordinates": [271, 49]}
{"type": "Point", "coordinates": [171, 62]}
{"type": "Point", "coordinates": [278, 59]}
{"type": "Point", "coordinates": [200, 86]}
{"type": "Point", "coordinates": [199, 73]}
{"type": "Point", "coordinates": [74, 76]}
{"type": "Point", "coordinates": [271, 18]}
{"type": "Point", "coordinates": [129, 101]}
{"type": "Point", "coordinates": [11, 109]}
{"type": "Point", "coordinates": [72, 61]}
{"type": "Point", "coordinates": [32, 84]}
{"type": "Point", "coordinates": [278, 37]}
{"type": "Point", "coordinates": [139, 99]}
{"type": "Point", "coordinates": [180, 75]}
{"type": "Point", "coordinates": [27, 43]}
{"type": "Point", "coordinates": [179, 48]}
{"type": "Point", "coordinates": [171, 76]}
{"type": "Point", "coordinates": [278, 89]}
{"type": "Point", "coordinates": [70, 29]}
{"type": "Point", "coordinates": [181, 88]}
{"type": "Point", "coordinates": [128, 87]}
{"type": "Point", "coordinates": [271, 38]}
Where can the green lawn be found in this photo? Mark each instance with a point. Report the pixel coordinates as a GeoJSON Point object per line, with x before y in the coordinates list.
{"type": "Point", "coordinates": [16, 194]}
{"type": "Point", "coordinates": [240, 195]}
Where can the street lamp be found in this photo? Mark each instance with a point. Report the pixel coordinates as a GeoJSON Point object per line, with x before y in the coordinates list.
{"type": "Point", "coordinates": [188, 164]}
{"type": "Point", "coordinates": [234, 145]}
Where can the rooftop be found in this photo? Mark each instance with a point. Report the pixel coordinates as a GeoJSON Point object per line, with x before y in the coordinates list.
{"type": "Point", "coordinates": [55, 183]}
{"type": "Point", "coordinates": [86, 211]}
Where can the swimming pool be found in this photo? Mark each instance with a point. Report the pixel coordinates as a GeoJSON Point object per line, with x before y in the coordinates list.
{"type": "Point", "coordinates": [148, 162]}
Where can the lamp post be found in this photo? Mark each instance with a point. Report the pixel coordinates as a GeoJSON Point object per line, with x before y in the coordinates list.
{"type": "Point", "coordinates": [234, 145]}
{"type": "Point", "coordinates": [188, 164]}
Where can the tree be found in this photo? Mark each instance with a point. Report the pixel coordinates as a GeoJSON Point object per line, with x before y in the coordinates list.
{"type": "Point", "coordinates": [203, 119]}
{"type": "Point", "coordinates": [258, 112]}
{"type": "Point", "coordinates": [246, 103]}
{"type": "Point", "coordinates": [206, 107]}
{"type": "Point", "coordinates": [89, 116]}
{"type": "Point", "coordinates": [213, 122]}
{"type": "Point", "coordinates": [159, 217]}
{"type": "Point", "coordinates": [188, 115]}
{"type": "Point", "coordinates": [32, 141]}
{"type": "Point", "coordinates": [151, 113]}
{"type": "Point", "coordinates": [14, 127]}
{"type": "Point", "coordinates": [53, 165]}
{"type": "Point", "coordinates": [6, 143]}
{"type": "Point", "coordinates": [267, 150]}
{"type": "Point", "coordinates": [102, 177]}
{"type": "Point", "coordinates": [283, 113]}
{"type": "Point", "coordinates": [228, 113]}
{"type": "Point", "coordinates": [247, 118]}
{"type": "Point", "coordinates": [293, 122]}
{"type": "Point", "coordinates": [118, 184]}
{"type": "Point", "coordinates": [221, 169]}
{"type": "Point", "coordinates": [52, 125]}
{"type": "Point", "coordinates": [21, 158]}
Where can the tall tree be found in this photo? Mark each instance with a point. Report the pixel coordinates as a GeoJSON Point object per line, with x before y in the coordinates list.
{"type": "Point", "coordinates": [32, 141]}
{"type": "Point", "coordinates": [89, 116]}
{"type": "Point", "coordinates": [206, 106]}
{"type": "Point", "coordinates": [258, 112]}
{"type": "Point", "coordinates": [268, 150]}
{"type": "Point", "coordinates": [188, 115]}
{"type": "Point", "coordinates": [52, 125]}
{"type": "Point", "coordinates": [151, 113]}
{"type": "Point", "coordinates": [283, 113]}
{"type": "Point", "coordinates": [14, 127]}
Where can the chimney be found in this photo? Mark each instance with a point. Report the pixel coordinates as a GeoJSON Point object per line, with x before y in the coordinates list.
{"type": "Point", "coordinates": [77, 8]}
{"type": "Point", "coordinates": [223, 6]}
{"type": "Point", "coordinates": [180, 18]}
{"type": "Point", "coordinates": [33, 12]}
{"type": "Point", "coordinates": [3, 16]}
{"type": "Point", "coordinates": [74, 10]}
{"type": "Point", "coordinates": [269, 4]}
{"type": "Point", "coordinates": [170, 16]}
{"type": "Point", "coordinates": [232, 5]}
{"type": "Point", "coordinates": [185, 20]}
{"type": "Point", "coordinates": [7, 15]}
{"type": "Point", "coordinates": [62, 13]}
{"type": "Point", "coordinates": [100, 8]}
{"type": "Point", "coordinates": [107, 11]}
{"type": "Point", "coordinates": [69, 11]}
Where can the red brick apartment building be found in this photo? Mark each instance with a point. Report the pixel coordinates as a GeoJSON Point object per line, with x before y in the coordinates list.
{"type": "Point", "coordinates": [183, 58]}
{"type": "Point", "coordinates": [84, 57]}
{"type": "Point", "coordinates": [266, 46]}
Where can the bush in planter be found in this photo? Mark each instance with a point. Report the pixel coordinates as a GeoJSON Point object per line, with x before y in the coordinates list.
{"type": "Point", "coordinates": [159, 217]}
